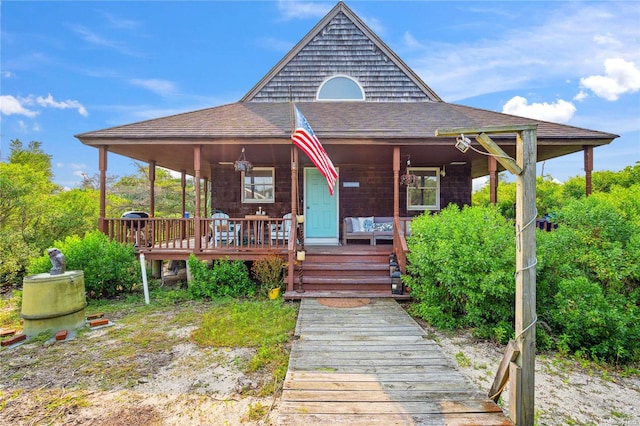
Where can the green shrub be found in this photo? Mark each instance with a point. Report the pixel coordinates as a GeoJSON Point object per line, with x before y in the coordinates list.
{"type": "Point", "coordinates": [109, 267]}
{"type": "Point", "coordinates": [588, 279]}
{"type": "Point", "coordinates": [461, 270]}
{"type": "Point", "coordinates": [598, 326]}
{"type": "Point", "coordinates": [225, 279]}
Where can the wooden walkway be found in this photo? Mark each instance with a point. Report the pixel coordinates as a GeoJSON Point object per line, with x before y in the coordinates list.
{"type": "Point", "coordinates": [373, 365]}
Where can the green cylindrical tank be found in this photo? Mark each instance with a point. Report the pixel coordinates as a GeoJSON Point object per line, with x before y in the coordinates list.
{"type": "Point", "coordinates": [53, 302]}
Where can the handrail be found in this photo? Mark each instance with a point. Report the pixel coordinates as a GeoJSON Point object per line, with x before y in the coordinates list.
{"type": "Point", "coordinates": [400, 248]}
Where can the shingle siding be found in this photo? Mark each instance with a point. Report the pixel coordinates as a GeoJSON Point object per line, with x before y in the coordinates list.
{"type": "Point", "coordinates": [341, 48]}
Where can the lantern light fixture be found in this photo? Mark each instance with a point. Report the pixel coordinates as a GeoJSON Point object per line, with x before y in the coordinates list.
{"type": "Point", "coordinates": [463, 143]}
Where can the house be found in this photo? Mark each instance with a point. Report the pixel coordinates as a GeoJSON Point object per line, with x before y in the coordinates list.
{"type": "Point", "coordinates": [377, 121]}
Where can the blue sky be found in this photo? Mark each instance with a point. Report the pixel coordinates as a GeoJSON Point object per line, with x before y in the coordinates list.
{"type": "Point", "coordinates": [72, 67]}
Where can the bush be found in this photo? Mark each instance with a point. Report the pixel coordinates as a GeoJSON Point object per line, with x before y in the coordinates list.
{"type": "Point", "coordinates": [460, 270]}
{"type": "Point", "coordinates": [225, 279]}
{"type": "Point", "coordinates": [588, 278]}
{"type": "Point", "coordinates": [598, 326]}
{"type": "Point", "coordinates": [109, 267]}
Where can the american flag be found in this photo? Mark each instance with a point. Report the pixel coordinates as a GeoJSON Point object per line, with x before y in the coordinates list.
{"type": "Point", "coordinates": [304, 138]}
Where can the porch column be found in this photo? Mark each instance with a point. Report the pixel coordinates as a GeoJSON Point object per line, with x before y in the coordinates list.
{"type": "Point", "coordinates": [588, 167]}
{"type": "Point", "coordinates": [183, 184]}
{"type": "Point", "coordinates": [493, 180]}
{"type": "Point", "coordinates": [206, 196]}
{"type": "Point", "coordinates": [294, 216]}
{"type": "Point", "coordinates": [396, 182]}
{"type": "Point", "coordinates": [102, 165]}
{"type": "Point", "coordinates": [152, 188]}
{"type": "Point", "coordinates": [197, 153]}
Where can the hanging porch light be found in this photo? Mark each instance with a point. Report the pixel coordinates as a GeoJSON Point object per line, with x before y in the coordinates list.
{"type": "Point", "coordinates": [242, 164]}
{"type": "Point", "coordinates": [409, 179]}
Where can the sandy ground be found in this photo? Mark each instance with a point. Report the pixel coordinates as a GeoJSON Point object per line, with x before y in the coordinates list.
{"type": "Point", "coordinates": [62, 384]}
{"type": "Point", "coordinates": [567, 393]}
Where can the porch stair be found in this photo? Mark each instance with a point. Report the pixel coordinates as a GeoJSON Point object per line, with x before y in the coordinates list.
{"type": "Point", "coordinates": [344, 271]}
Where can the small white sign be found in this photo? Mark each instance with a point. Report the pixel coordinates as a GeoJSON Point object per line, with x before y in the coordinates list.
{"type": "Point", "coordinates": [351, 184]}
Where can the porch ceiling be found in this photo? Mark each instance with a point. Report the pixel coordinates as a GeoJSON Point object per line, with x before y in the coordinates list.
{"type": "Point", "coordinates": [351, 132]}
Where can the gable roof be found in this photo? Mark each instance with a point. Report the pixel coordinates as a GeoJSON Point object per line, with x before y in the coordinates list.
{"type": "Point", "coordinates": [402, 111]}
{"type": "Point", "coordinates": [341, 44]}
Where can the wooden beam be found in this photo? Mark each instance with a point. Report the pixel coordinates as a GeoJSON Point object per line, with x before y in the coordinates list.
{"type": "Point", "coordinates": [489, 129]}
{"type": "Point", "coordinates": [522, 407]}
{"type": "Point", "coordinates": [498, 153]}
{"type": "Point", "coordinates": [502, 376]}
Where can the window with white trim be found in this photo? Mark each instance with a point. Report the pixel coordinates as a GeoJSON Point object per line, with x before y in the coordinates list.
{"type": "Point", "coordinates": [425, 195]}
{"type": "Point", "coordinates": [258, 185]}
{"type": "Point", "coordinates": [340, 88]}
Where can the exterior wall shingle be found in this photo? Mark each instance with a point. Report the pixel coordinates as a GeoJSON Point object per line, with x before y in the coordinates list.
{"type": "Point", "coordinates": [341, 48]}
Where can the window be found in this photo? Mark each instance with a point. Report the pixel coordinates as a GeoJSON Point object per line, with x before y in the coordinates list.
{"type": "Point", "coordinates": [258, 185]}
{"type": "Point", "coordinates": [340, 88]}
{"type": "Point", "coordinates": [426, 196]}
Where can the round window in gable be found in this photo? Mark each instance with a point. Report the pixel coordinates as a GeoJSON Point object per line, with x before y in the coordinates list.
{"type": "Point", "coordinates": [340, 88]}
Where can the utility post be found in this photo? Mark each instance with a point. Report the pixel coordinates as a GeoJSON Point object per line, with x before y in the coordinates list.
{"type": "Point", "coordinates": [521, 372]}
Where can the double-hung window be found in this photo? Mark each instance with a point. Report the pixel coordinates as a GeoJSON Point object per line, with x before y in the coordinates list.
{"type": "Point", "coordinates": [425, 194]}
{"type": "Point", "coordinates": [258, 185]}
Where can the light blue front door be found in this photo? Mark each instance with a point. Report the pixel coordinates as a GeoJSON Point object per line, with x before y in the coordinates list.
{"type": "Point", "coordinates": [321, 209]}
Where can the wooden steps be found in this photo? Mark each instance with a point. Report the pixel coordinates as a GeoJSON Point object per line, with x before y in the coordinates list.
{"type": "Point", "coordinates": [345, 269]}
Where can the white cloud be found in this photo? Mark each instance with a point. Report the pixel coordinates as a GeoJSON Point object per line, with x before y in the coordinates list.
{"type": "Point", "coordinates": [7, 74]}
{"type": "Point", "coordinates": [50, 102]}
{"type": "Point", "coordinates": [302, 10]}
{"type": "Point", "coordinates": [559, 112]}
{"type": "Point", "coordinates": [581, 96]}
{"type": "Point", "coordinates": [10, 105]}
{"type": "Point", "coordinates": [410, 41]}
{"type": "Point", "coordinates": [620, 77]}
{"type": "Point", "coordinates": [566, 40]}
{"type": "Point", "coordinates": [155, 85]}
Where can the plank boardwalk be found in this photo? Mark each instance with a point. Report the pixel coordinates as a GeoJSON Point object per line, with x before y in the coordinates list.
{"type": "Point", "coordinates": [374, 365]}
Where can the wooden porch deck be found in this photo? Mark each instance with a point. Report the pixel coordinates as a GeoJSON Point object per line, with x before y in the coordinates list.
{"type": "Point", "coordinates": [373, 365]}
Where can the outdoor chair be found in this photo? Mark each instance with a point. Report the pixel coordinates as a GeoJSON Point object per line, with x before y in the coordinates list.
{"type": "Point", "coordinates": [223, 231]}
{"type": "Point", "coordinates": [280, 232]}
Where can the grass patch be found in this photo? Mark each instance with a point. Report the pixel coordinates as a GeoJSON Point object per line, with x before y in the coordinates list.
{"type": "Point", "coordinates": [264, 325]}
{"type": "Point", "coordinates": [247, 324]}
{"type": "Point", "coordinates": [10, 310]}
{"type": "Point", "coordinates": [463, 360]}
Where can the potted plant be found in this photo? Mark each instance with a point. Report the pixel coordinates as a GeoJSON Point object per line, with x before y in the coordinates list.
{"type": "Point", "coordinates": [269, 271]}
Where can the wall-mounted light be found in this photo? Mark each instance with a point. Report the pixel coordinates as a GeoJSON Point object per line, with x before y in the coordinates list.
{"type": "Point", "coordinates": [443, 172]}
{"type": "Point", "coordinates": [463, 143]}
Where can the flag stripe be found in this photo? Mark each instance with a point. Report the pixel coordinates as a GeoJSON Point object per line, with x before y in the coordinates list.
{"type": "Point", "coordinates": [304, 138]}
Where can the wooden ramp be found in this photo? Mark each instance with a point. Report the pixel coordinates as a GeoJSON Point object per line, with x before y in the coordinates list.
{"type": "Point", "coordinates": [367, 362]}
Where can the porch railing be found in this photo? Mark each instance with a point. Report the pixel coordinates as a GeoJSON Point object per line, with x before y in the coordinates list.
{"type": "Point", "coordinates": [228, 234]}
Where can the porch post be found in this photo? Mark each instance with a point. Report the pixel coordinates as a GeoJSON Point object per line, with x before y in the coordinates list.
{"type": "Point", "coordinates": [206, 196]}
{"type": "Point", "coordinates": [294, 216]}
{"type": "Point", "coordinates": [588, 167]}
{"type": "Point", "coordinates": [183, 184]}
{"type": "Point", "coordinates": [396, 182]}
{"type": "Point", "coordinates": [152, 188]}
{"type": "Point", "coordinates": [102, 165]}
{"type": "Point", "coordinates": [197, 152]}
{"type": "Point", "coordinates": [493, 180]}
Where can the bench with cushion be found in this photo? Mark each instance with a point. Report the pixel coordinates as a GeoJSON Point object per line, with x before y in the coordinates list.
{"type": "Point", "coordinates": [370, 228]}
